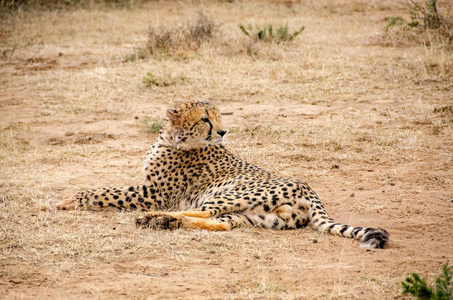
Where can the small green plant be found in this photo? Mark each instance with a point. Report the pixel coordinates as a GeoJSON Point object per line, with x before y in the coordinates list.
{"type": "Point", "coordinates": [418, 287]}
{"type": "Point", "coordinates": [163, 80]}
{"type": "Point", "coordinates": [130, 58]}
{"type": "Point", "coordinates": [151, 80]}
{"type": "Point", "coordinates": [394, 21]}
{"type": "Point", "coordinates": [267, 33]}
{"type": "Point", "coordinates": [152, 126]}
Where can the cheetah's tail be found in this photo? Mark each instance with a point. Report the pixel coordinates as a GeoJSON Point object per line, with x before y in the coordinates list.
{"type": "Point", "coordinates": [371, 238]}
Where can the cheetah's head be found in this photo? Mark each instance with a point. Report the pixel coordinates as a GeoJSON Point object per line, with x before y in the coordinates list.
{"type": "Point", "coordinates": [193, 125]}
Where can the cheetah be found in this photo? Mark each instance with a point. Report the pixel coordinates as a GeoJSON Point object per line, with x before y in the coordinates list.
{"type": "Point", "coordinates": [193, 181]}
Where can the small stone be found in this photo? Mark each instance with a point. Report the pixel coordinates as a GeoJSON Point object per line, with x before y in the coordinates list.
{"type": "Point", "coordinates": [352, 195]}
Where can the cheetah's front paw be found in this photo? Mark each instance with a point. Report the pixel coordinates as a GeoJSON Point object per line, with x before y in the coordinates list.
{"type": "Point", "coordinates": [158, 221]}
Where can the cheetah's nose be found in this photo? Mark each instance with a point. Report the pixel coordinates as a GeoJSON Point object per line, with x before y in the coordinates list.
{"type": "Point", "coordinates": [221, 132]}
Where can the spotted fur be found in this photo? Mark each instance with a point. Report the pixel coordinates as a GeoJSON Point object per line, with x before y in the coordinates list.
{"type": "Point", "coordinates": [189, 171]}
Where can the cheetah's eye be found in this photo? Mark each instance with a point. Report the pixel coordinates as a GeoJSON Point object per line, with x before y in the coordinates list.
{"type": "Point", "coordinates": [205, 120]}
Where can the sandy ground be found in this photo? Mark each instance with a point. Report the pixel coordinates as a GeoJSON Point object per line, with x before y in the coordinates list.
{"type": "Point", "coordinates": [367, 125]}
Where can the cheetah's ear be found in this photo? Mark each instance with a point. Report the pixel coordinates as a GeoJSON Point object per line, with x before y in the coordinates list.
{"type": "Point", "coordinates": [173, 115]}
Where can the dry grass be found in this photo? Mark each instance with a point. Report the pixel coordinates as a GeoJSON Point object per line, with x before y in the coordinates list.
{"type": "Point", "coordinates": [362, 114]}
{"type": "Point", "coordinates": [175, 41]}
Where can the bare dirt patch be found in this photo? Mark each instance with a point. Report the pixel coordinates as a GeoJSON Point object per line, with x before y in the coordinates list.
{"type": "Point", "coordinates": [367, 125]}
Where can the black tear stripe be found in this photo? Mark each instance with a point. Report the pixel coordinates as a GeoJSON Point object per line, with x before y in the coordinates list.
{"type": "Point", "coordinates": [190, 129]}
{"type": "Point", "coordinates": [210, 128]}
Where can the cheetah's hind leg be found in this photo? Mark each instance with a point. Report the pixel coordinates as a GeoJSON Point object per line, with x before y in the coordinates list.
{"type": "Point", "coordinates": [158, 221]}
{"type": "Point", "coordinates": [174, 220]}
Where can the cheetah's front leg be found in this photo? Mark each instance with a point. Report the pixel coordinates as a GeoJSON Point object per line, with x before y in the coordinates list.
{"type": "Point", "coordinates": [134, 197]}
{"type": "Point", "coordinates": [74, 202]}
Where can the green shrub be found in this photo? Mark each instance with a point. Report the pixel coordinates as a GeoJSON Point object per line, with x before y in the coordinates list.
{"type": "Point", "coordinates": [267, 33]}
{"type": "Point", "coordinates": [152, 126]}
{"type": "Point", "coordinates": [426, 26]}
{"type": "Point", "coordinates": [418, 287]}
{"type": "Point", "coordinates": [425, 16]}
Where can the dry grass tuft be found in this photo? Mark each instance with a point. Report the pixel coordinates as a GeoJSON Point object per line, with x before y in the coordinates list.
{"type": "Point", "coordinates": [187, 36]}
{"type": "Point", "coordinates": [15, 5]}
